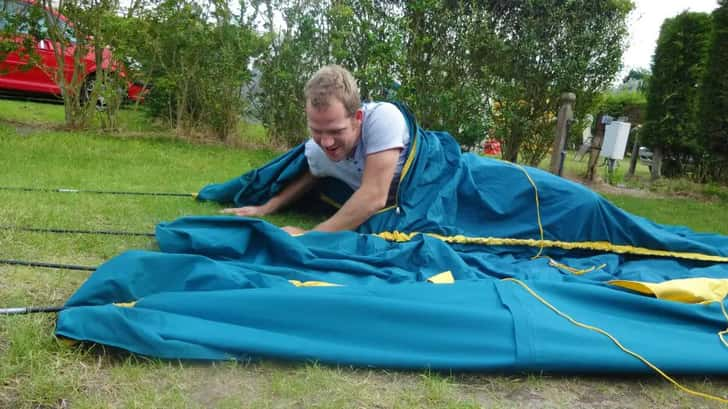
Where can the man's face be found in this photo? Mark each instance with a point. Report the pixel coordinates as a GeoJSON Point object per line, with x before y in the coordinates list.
{"type": "Point", "coordinates": [336, 132]}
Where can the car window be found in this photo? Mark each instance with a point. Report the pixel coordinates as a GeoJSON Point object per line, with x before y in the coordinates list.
{"type": "Point", "coordinates": [15, 16]}
{"type": "Point", "coordinates": [65, 29]}
{"type": "Point", "coordinates": [10, 16]}
{"type": "Point", "coordinates": [20, 18]}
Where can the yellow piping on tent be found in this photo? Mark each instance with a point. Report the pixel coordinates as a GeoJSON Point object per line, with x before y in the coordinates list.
{"type": "Point", "coordinates": [330, 201]}
{"type": "Point", "coordinates": [405, 170]}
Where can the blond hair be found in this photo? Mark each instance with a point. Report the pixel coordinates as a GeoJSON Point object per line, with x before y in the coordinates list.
{"type": "Point", "coordinates": [333, 81]}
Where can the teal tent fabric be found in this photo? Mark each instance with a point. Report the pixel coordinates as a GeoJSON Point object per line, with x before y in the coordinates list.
{"type": "Point", "coordinates": [221, 287]}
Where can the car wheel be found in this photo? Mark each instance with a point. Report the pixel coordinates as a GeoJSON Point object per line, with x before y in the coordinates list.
{"type": "Point", "coordinates": [87, 91]}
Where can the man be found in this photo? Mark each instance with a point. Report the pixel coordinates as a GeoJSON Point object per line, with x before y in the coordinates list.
{"type": "Point", "coordinates": [365, 146]}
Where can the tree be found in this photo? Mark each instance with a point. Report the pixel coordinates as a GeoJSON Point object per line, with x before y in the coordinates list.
{"type": "Point", "coordinates": [542, 49]}
{"type": "Point", "coordinates": [361, 35]}
{"type": "Point", "coordinates": [453, 58]}
{"type": "Point", "coordinates": [714, 96]}
{"type": "Point", "coordinates": [440, 83]}
{"type": "Point", "coordinates": [197, 54]}
{"type": "Point", "coordinates": [672, 118]}
{"type": "Point", "coordinates": [639, 74]}
{"type": "Point", "coordinates": [422, 45]}
{"type": "Point", "coordinates": [291, 58]}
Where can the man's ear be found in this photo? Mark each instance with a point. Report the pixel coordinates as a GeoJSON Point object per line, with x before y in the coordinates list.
{"type": "Point", "coordinates": [359, 115]}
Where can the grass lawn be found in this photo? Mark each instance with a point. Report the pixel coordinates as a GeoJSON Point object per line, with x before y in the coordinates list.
{"type": "Point", "coordinates": [38, 371]}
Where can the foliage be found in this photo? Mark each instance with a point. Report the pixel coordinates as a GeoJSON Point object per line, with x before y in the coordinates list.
{"type": "Point", "coordinates": [624, 103]}
{"type": "Point", "coordinates": [714, 98]}
{"type": "Point", "coordinates": [293, 56]}
{"type": "Point", "coordinates": [361, 35]}
{"type": "Point", "coordinates": [440, 84]}
{"type": "Point", "coordinates": [640, 76]}
{"type": "Point", "coordinates": [672, 119]}
{"type": "Point", "coordinates": [542, 49]}
{"type": "Point", "coordinates": [197, 55]}
{"type": "Point", "coordinates": [453, 59]}
{"type": "Point", "coordinates": [630, 104]}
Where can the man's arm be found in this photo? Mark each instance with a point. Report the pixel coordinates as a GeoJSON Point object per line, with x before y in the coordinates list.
{"type": "Point", "coordinates": [371, 195]}
{"type": "Point", "coordinates": [293, 191]}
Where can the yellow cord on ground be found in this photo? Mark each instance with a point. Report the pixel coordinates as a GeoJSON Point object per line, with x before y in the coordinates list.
{"type": "Point", "coordinates": [616, 342]}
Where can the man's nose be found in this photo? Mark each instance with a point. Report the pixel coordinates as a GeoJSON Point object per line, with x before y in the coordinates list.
{"type": "Point", "coordinates": [326, 141]}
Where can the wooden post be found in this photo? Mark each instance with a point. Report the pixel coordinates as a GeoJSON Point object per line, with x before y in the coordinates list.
{"type": "Point", "coordinates": [566, 113]}
{"type": "Point", "coordinates": [635, 152]}
{"type": "Point", "coordinates": [596, 147]}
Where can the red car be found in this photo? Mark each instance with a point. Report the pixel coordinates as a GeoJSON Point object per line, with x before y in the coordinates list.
{"type": "Point", "coordinates": [37, 79]}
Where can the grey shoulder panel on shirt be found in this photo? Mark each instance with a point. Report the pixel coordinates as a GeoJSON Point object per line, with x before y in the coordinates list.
{"type": "Point", "coordinates": [384, 127]}
{"type": "Point", "coordinates": [315, 157]}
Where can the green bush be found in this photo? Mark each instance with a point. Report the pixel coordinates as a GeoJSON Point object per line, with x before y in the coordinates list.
{"type": "Point", "coordinates": [196, 55]}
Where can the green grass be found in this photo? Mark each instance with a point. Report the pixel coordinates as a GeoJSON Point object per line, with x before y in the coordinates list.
{"type": "Point", "coordinates": [702, 216]}
{"type": "Point", "coordinates": [38, 371]}
{"type": "Point", "coordinates": [50, 115]}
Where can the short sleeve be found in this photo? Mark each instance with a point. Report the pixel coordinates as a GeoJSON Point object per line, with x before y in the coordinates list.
{"type": "Point", "coordinates": [316, 159]}
{"type": "Point", "coordinates": [384, 128]}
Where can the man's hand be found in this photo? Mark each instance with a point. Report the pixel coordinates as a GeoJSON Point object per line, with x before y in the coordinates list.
{"type": "Point", "coordinates": [291, 192]}
{"type": "Point", "coordinates": [293, 230]}
{"type": "Point", "coordinates": [247, 211]}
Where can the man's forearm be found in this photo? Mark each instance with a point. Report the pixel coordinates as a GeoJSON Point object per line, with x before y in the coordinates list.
{"type": "Point", "coordinates": [371, 195]}
{"type": "Point", "coordinates": [358, 209]}
{"type": "Point", "coordinates": [291, 192]}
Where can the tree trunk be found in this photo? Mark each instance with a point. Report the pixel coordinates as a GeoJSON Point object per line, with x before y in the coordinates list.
{"type": "Point", "coordinates": [635, 153]}
{"type": "Point", "coordinates": [656, 169]}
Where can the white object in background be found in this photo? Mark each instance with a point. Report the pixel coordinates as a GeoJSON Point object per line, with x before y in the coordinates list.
{"type": "Point", "coordinates": [586, 134]}
{"type": "Point", "coordinates": [615, 140]}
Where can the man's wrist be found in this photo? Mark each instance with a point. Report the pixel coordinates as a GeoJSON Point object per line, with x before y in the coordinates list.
{"type": "Point", "coordinates": [268, 208]}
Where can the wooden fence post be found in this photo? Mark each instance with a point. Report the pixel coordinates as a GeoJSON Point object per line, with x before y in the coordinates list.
{"type": "Point", "coordinates": [566, 114]}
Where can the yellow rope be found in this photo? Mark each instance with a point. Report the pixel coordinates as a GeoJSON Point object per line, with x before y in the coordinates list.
{"type": "Point", "coordinates": [603, 246]}
{"type": "Point", "coordinates": [616, 342]}
{"type": "Point", "coordinates": [538, 209]}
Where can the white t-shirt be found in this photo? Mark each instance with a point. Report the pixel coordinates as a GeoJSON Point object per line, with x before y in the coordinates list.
{"type": "Point", "coordinates": [383, 127]}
